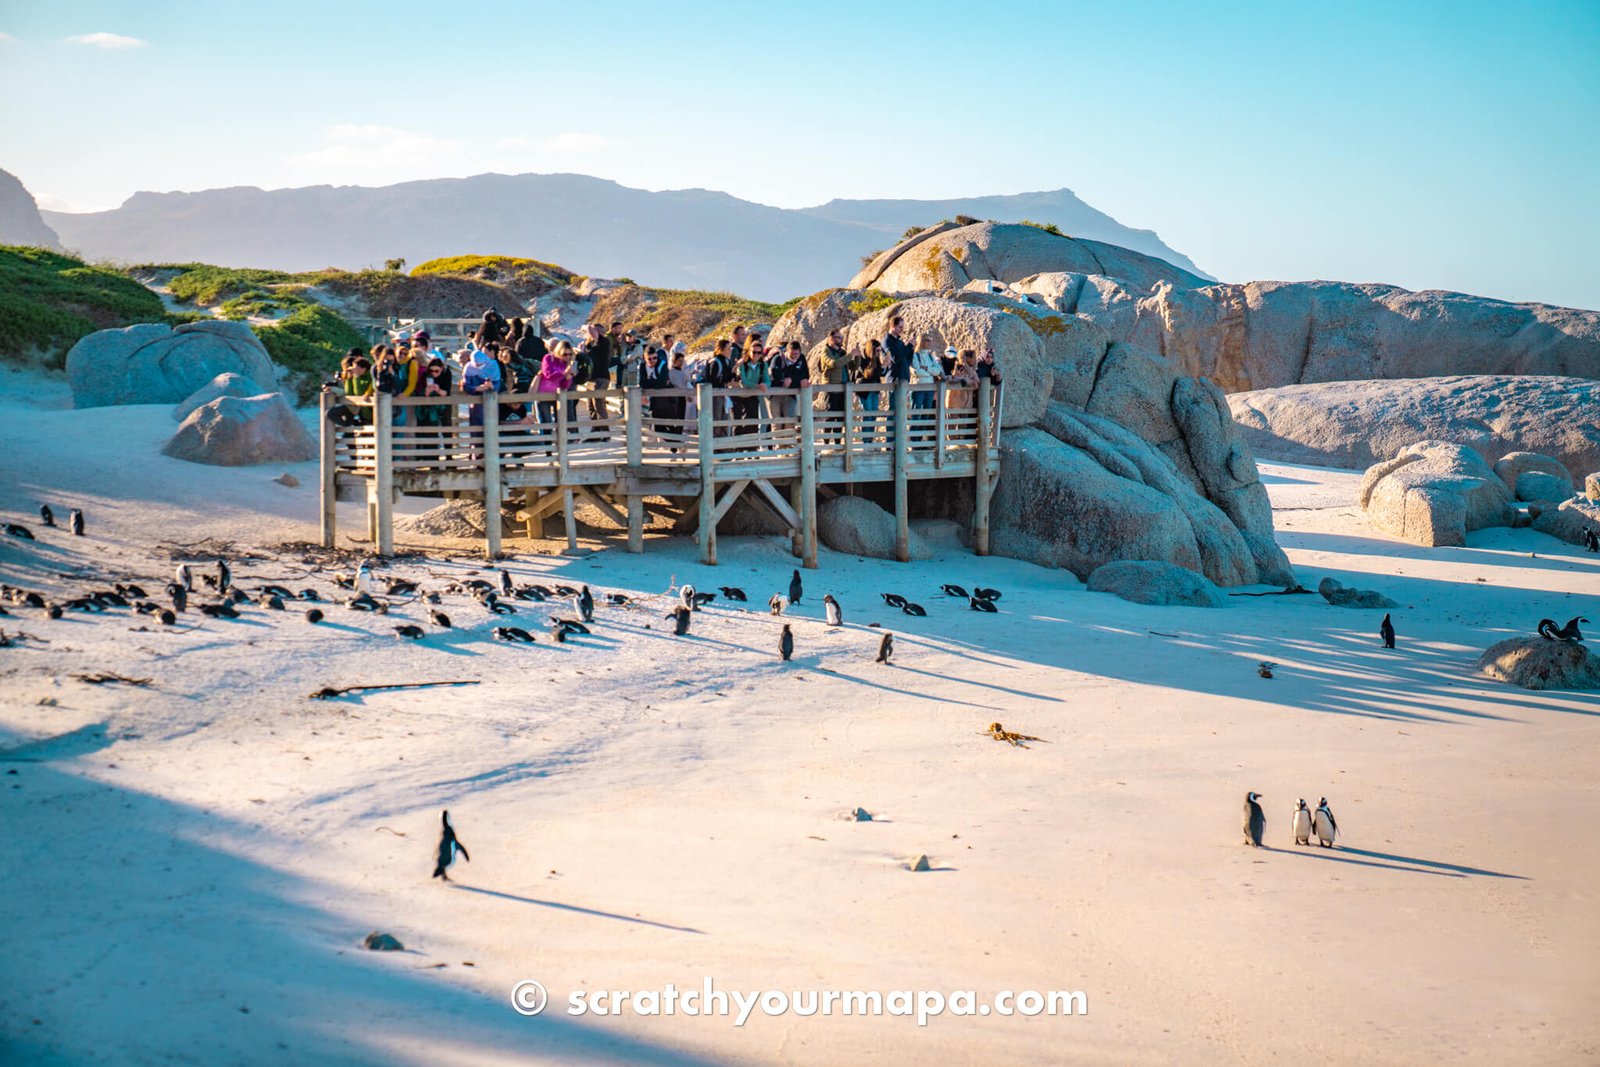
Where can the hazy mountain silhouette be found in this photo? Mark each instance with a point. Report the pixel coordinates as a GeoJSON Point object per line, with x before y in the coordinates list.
{"type": "Point", "coordinates": [691, 238]}
{"type": "Point", "coordinates": [20, 223]}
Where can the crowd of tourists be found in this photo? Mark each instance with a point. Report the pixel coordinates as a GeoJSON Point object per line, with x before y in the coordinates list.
{"type": "Point", "coordinates": [510, 357]}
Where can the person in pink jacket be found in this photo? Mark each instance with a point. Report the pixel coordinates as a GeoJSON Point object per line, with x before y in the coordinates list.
{"type": "Point", "coordinates": [556, 373]}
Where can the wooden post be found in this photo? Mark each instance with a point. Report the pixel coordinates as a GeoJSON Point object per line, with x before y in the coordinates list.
{"type": "Point", "coordinates": [848, 434]}
{"type": "Point", "coordinates": [808, 478]}
{"type": "Point", "coordinates": [634, 407]}
{"type": "Point", "coordinates": [384, 482]}
{"type": "Point", "coordinates": [708, 480]}
{"type": "Point", "coordinates": [980, 462]}
{"type": "Point", "coordinates": [491, 480]}
{"type": "Point", "coordinates": [938, 423]}
{"type": "Point", "coordinates": [571, 520]}
{"type": "Point", "coordinates": [561, 437]}
{"type": "Point", "coordinates": [330, 473]}
{"type": "Point", "coordinates": [902, 450]}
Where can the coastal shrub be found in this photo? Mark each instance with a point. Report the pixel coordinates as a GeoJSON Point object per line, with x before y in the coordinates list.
{"type": "Point", "coordinates": [1047, 227]}
{"type": "Point", "coordinates": [309, 341]}
{"type": "Point", "coordinates": [48, 300]}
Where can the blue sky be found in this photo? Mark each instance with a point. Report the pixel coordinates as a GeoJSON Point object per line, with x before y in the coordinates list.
{"type": "Point", "coordinates": [1430, 145]}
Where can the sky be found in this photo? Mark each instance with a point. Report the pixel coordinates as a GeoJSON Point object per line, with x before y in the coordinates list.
{"type": "Point", "coordinates": [1428, 145]}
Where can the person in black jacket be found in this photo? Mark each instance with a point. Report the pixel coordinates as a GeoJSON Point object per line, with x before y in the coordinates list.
{"type": "Point", "coordinates": [901, 353]}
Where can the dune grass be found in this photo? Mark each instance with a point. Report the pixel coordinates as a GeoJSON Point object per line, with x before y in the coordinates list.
{"type": "Point", "coordinates": [49, 300]}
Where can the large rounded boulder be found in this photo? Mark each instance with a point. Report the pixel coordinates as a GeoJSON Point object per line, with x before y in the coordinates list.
{"type": "Point", "coordinates": [858, 527]}
{"type": "Point", "coordinates": [1540, 663]}
{"type": "Point", "coordinates": [1434, 493]}
{"type": "Point", "coordinates": [234, 431]}
{"type": "Point", "coordinates": [157, 364]}
{"type": "Point", "coordinates": [1155, 582]}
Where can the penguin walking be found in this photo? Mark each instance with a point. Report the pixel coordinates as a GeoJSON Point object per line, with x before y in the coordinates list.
{"type": "Point", "coordinates": [835, 613]}
{"type": "Point", "coordinates": [585, 604]}
{"type": "Point", "coordinates": [979, 604]}
{"type": "Point", "coordinates": [48, 517]}
{"type": "Point", "coordinates": [1324, 824]}
{"type": "Point", "coordinates": [1386, 631]}
{"type": "Point", "coordinates": [778, 604]}
{"type": "Point", "coordinates": [886, 648]}
{"type": "Point", "coordinates": [680, 620]}
{"type": "Point", "coordinates": [786, 643]}
{"type": "Point", "coordinates": [1255, 820]}
{"type": "Point", "coordinates": [505, 583]}
{"type": "Point", "coordinates": [893, 600]}
{"type": "Point", "coordinates": [1591, 540]}
{"type": "Point", "coordinates": [75, 522]}
{"type": "Point", "coordinates": [448, 847]}
{"type": "Point", "coordinates": [732, 592]}
{"type": "Point", "coordinates": [225, 576]}
{"type": "Point", "coordinates": [1302, 824]}
{"type": "Point", "coordinates": [795, 588]}
{"type": "Point", "coordinates": [954, 590]}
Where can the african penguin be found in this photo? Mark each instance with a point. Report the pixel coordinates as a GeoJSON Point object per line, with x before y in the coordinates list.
{"type": "Point", "coordinates": [680, 619]}
{"type": "Point", "coordinates": [986, 594]}
{"type": "Point", "coordinates": [448, 847]}
{"type": "Point", "coordinates": [16, 529]}
{"type": "Point", "coordinates": [1255, 820]}
{"type": "Point", "coordinates": [440, 619]}
{"type": "Point", "coordinates": [983, 605]}
{"type": "Point", "coordinates": [894, 600]}
{"type": "Point", "coordinates": [686, 597]}
{"type": "Point", "coordinates": [75, 522]}
{"type": "Point", "coordinates": [1323, 822]}
{"type": "Point", "coordinates": [47, 516]}
{"type": "Point", "coordinates": [363, 579]}
{"type": "Point", "coordinates": [795, 589]}
{"type": "Point", "coordinates": [167, 617]}
{"type": "Point", "coordinates": [1386, 631]}
{"type": "Point", "coordinates": [585, 601]}
{"type": "Point", "coordinates": [786, 643]}
{"type": "Point", "coordinates": [224, 576]}
{"type": "Point", "coordinates": [409, 630]}
{"type": "Point", "coordinates": [313, 615]}
{"type": "Point", "coordinates": [835, 613]}
{"type": "Point", "coordinates": [913, 609]}
{"type": "Point", "coordinates": [514, 633]}
{"type": "Point", "coordinates": [1591, 541]}
{"type": "Point", "coordinates": [778, 604]}
{"type": "Point", "coordinates": [1569, 632]}
{"type": "Point", "coordinates": [730, 592]}
{"type": "Point", "coordinates": [1302, 824]}
{"type": "Point", "coordinates": [505, 582]}
{"type": "Point", "coordinates": [886, 648]}
{"type": "Point", "coordinates": [953, 590]}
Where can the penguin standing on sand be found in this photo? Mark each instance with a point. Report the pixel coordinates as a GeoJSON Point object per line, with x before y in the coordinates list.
{"type": "Point", "coordinates": [505, 583]}
{"type": "Point", "coordinates": [835, 613]}
{"type": "Point", "coordinates": [48, 517]}
{"type": "Point", "coordinates": [1255, 820]}
{"type": "Point", "coordinates": [364, 579]}
{"type": "Point", "coordinates": [75, 522]}
{"type": "Point", "coordinates": [184, 577]}
{"type": "Point", "coordinates": [786, 643]}
{"type": "Point", "coordinates": [1324, 825]}
{"type": "Point", "coordinates": [1302, 824]}
{"type": "Point", "coordinates": [448, 847]}
{"type": "Point", "coordinates": [585, 603]}
{"type": "Point", "coordinates": [680, 620]}
{"type": "Point", "coordinates": [778, 604]}
{"type": "Point", "coordinates": [180, 597]}
{"type": "Point", "coordinates": [1386, 631]}
{"type": "Point", "coordinates": [1591, 540]}
{"type": "Point", "coordinates": [686, 598]}
{"type": "Point", "coordinates": [225, 576]}
{"type": "Point", "coordinates": [886, 648]}
{"type": "Point", "coordinates": [795, 588]}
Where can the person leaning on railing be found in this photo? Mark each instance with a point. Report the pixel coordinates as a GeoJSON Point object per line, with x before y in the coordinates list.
{"type": "Point", "coordinates": [481, 375]}
{"type": "Point", "coordinates": [557, 373]}
{"type": "Point", "coordinates": [354, 379]}
{"type": "Point", "coordinates": [925, 370]}
{"type": "Point", "coordinates": [789, 371]}
{"type": "Point", "coordinates": [829, 367]}
{"type": "Point", "coordinates": [396, 374]}
{"type": "Point", "coordinates": [964, 376]}
{"type": "Point", "coordinates": [753, 374]}
{"type": "Point", "coordinates": [866, 368]}
{"type": "Point", "coordinates": [435, 382]}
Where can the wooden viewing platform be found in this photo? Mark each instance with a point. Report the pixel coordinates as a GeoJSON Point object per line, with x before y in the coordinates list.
{"type": "Point", "coordinates": [616, 460]}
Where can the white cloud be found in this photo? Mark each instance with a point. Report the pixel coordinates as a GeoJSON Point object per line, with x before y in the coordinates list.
{"type": "Point", "coordinates": [574, 142]}
{"type": "Point", "coordinates": [380, 155]}
{"type": "Point", "coordinates": [49, 202]}
{"type": "Point", "coordinates": [113, 41]}
{"type": "Point", "coordinates": [6, 38]}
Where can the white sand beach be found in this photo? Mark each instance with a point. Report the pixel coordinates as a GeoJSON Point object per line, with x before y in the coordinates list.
{"type": "Point", "coordinates": [192, 864]}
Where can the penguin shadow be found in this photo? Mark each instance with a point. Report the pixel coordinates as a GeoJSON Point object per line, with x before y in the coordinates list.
{"type": "Point", "coordinates": [575, 908]}
{"type": "Point", "coordinates": [1390, 862]}
{"type": "Point", "coordinates": [919, 694]}
{"type": "Point", "coordinates": [1024, 693]}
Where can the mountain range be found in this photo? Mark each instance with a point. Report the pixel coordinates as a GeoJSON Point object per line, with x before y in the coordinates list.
{"type": "Point", "coordinates": [687, 238]}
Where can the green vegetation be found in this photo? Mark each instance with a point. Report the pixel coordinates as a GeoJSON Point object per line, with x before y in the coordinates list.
{"type": "Point", "coordinates": [310, 341]}
{"type": "Point", "coordinates": [49, 300]}
{"type": "Point", "coordinates": [1045, 325]}
{"type": "Point", "coordinates": [510, 271]}
{"type": "Point", "coordinates": [872, 300]}
{"type": "Point", "coordinates": [1047, 227]}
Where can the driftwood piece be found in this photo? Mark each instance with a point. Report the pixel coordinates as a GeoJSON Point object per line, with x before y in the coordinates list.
{"type": "Point", "coordinates": [1290, 590]}
{"type": "Point", "coordinates": [328, 692]}
{"type": "Point", "coordinates": [106, 678]}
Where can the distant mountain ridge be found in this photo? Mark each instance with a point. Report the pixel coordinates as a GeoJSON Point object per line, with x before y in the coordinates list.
{"type": "Point", "coordinates": [686, 238]}
{"type": "Point", "coordinates": [20, 222]}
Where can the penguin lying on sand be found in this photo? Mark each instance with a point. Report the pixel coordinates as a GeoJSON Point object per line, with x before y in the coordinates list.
{"type": "Point", "coordinates": [913, 609]}
{"type": "Point", "coordinates": [979, 604]}
{"type": "Point", "coordinates": [953, 590]}
{"type": "Point", "coordinates": [894, 600]}
{"type": "Point", "coordinates": [730, 592]}
{"type": "Point", "coordinates": [448, 847]}
{"type": "Point", "coordinates": [514, 634]}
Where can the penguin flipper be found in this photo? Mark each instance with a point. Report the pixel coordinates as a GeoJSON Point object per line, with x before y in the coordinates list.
{"type": "Point", "coordinates": [463, 850]}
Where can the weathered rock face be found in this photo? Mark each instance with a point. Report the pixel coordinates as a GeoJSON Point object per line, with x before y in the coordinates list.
{"type": "Point", "coordinates": [20, 221]}
{"type": "Point", "coordinates": [1358, 423]}
{"type": "Point", "coordinates": [1591, 487]}
{"type": "Point", "coordinates": [227, 384]}
{"type": "Point", "coordinates": [814, 317]}
{"type": "Point", "coordinates": [1513, 466]}
{"type": "Point", "coordinates": [157, 364]}
{"type": "Point", "coordinates": [239, 431]}
{"type": "Point", "coordinates": [1569, 521]}
{"type": "Point", "coordinates": [1433, 493]}
{"type": "Point", "coordinates": [1539, 663]}
{"type": "Point", "coordinates": [857, 526]}
{"type": "Point", "coordinates": [949, 256]}
{"type": "Point", "coordinates": [1151, 582]}
{"type": "Point", "coordinates": [1537, 485]}
{"type": "Point", "coordinates": [1340, 595]}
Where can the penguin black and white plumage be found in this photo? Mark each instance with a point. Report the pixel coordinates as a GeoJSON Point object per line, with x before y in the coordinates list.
{"type": "Point", "coordinates": [75, 522]}
{"type": "Point", "coordinates": [953, 590]}
{"type": "Point", "coordinates": [893, 600]}
{"type": "Point", "coordinates": [778, 604]}
{"type": "Point", "coordinates": [272, 602]}
{"type": "Point", "coordinates": [1255, 820]}
{"type": "Point", "coordinates": [364, 579]}
{"type": "Point", "coordinates": [585, 605]}
{"type": "Point", "coordinates": [1324, 825]}
{"type": "Point", "coordinates": [449, 847]}
{"type": "Point", "coordinates": [618, 600]}
{"type": "Point", "coordinates": [913, 609]}
{"type": "Point", "coordinates": [986, 594]}
{"type": "Point", "coordinates": [225, 576]}
{"type": "Point", "coordinates": [16, 529]}
{"type": "Point", "coordinates": [979, 604]}
{"type": "Point", "coordinates": [702, 599]}
{"type": "Point", "coordinates": [1547, 628]}
{"type": "Point", "coordinates": [184, 577]}
{"type": "Point", "coordinates": [505, 583]}
{"type": "Point", "coordinates": [835, 613]}
{"type": "Point", "coordinates": [167, 617]}
{"type": "Point", "coordinates": [410, 630]}
{"type": "Point", "coordinates": [886, 648]}
{"type": "Point", "coordinates": [1386, 631]}
{"type": "Point", "coordinates": [730, 592]}
{"type": "Point", "coordinates": [1591, 540]}
{"type": "Point", "coordinates": [795, 588]}
{"type": "Point", "coordinates": [47, 516]}
{"type": "Point", "coordinates": [786, 643]}
{"type": "Point", "coordinates": [1302, 824]}
{"type": "Point", "coordinates": [680, 620]}
{"type": "Point", "coordinates": [313, 615]}
{"type": "Point", "coordinates": [514, 634]}
{"type": "Point", "coordinates": [439, 619]}
{"type": "Point", "coordinates": [572, 626]}
{"type": "Point", "coordinates": [686, 597]}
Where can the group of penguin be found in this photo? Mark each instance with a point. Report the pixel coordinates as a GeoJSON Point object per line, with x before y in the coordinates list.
{"type": "Point", "coordinates": [48, 517]}
{"type": "Point", "coordinates": [1305, 822]}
